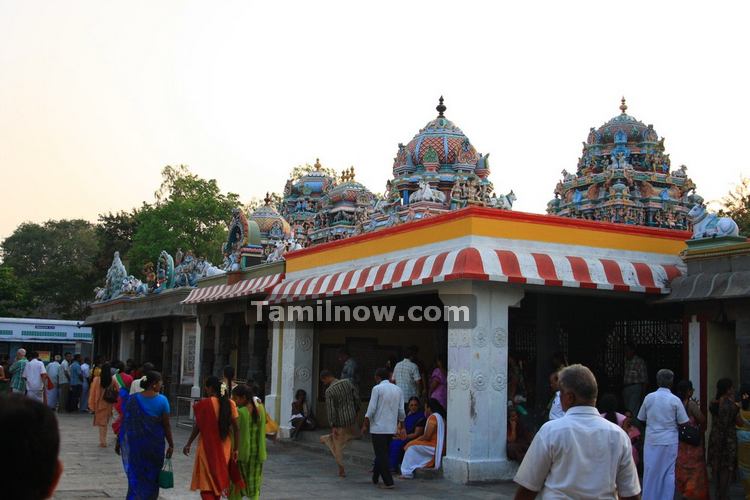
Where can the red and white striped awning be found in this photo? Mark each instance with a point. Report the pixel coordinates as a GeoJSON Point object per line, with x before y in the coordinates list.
{"type": "Point", "coordinates": [512, 266]}
{"type": "Point", "coordinates": [244, 288]}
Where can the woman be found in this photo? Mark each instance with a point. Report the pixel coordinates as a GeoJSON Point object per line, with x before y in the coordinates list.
{"type": "Point", "coordinates": [690, 468]}
{"type": "Point", "coordinates": [141, 444]}
{"type": "Point", "coordinates": [743, 440]}
{"type": "Point", "coordinates": [4, 380]}
{"type": "Point", "coordinates": [426, 451]}
{"type": "Point", "coordinates": [302, 419]}
{"type": "Point", "coordinates": [608, 407]}
{"type": "Point", "coordinates": [518, 440]}
{"type": "Point", "coordinates": [413, 428]}
{"type": "Point", "coordinates": [438, 383]}
{"type": "Point", "coordinates": [102, 409]}
{"type": "Point", "coordinates": [215, 417]}
{"type": "Point", "coordinates": [228, 383]}
{"type": "Point", "coordinates": [122, 381]}
{"type": "Point", "coordinates": [252, 444]}
{"type": "Point", "coordinates": [722, 442]}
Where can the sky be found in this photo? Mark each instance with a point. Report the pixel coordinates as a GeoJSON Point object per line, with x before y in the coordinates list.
{"type": "Point", "coordinates": [97, 97]}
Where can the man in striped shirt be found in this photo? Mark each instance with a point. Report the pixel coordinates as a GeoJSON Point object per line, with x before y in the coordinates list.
{"type": "Point", "coordinates": [342, 404]}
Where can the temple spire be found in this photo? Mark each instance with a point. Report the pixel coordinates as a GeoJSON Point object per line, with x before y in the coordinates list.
{"type": "Point", "coordinates": [441, 108]}
{"type": "Point", "coordinates": [623, 106]}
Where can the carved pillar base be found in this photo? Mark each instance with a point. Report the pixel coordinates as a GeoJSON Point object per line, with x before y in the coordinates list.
{"type": "Point", "coordinates": [477, 385]}
{"type": "Point", "coordinates": [296, 369]}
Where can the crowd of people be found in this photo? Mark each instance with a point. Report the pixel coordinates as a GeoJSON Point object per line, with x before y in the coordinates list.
{"type": "Point", "coordinates": [651, 442]}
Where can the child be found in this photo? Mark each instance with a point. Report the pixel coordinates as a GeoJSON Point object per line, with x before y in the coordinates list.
{"type": "Point", "coordinates": [252, 443]}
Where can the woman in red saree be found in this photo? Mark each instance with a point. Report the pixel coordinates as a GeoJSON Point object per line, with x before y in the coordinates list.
{"type": "Point", "coordinates": [215, 416]}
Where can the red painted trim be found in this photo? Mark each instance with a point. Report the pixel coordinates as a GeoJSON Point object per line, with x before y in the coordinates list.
{"type": "Point", "coordinates": [493, 213]}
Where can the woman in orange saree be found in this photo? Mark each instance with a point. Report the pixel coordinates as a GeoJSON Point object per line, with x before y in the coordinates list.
{"type": "Point", "coordinates": [215, 417]}
{"type": "Point", "coordinates": [690, 469]}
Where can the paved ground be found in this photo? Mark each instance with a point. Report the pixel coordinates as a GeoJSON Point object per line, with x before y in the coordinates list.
{"type": "Point", "coordinates": [290, 473]}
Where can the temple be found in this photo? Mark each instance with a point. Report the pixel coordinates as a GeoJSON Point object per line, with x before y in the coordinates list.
{"type": "Point", "coordinates": [625, 176]}
{"type": "Point", "coordinates": [593, 275]}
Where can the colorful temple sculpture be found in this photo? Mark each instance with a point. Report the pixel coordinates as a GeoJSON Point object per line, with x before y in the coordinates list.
{"type": "Point", "coordinates": [303, 199]}
{"type": "Point", "coordinates": [625, 176]}
{"type": "Point", "coordinates": [437, 171]}
{"type": "Point", "coordinates": [344, 209]}
{"type": "Point", "coordinates": [273, 231]}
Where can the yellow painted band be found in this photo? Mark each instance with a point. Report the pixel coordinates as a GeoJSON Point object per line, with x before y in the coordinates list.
{"type": "Point", "coordinates": [489, 227]}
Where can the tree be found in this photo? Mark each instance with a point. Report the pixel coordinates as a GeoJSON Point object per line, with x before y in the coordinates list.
{"type": "Point", "coordinates": [302, 170]}
{"type": "Point", "coordinates": [14, 294]}
{"type": "Point", "coordinates": [189, 213]}
{"type": "Point", "coordinates": [55, 260]}
{"type": "Point", "coordinates": [115, 233]}
{"type": "Point", "coordinates": [736, 204]}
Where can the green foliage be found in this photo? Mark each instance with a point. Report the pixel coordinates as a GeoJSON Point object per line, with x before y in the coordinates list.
{"type": "Point", "coordinates": [55, 261]}
{"type": "Point", "coordinates": [14, 294]}
{"type": "Point", "coordinates": [736, 204]}
{"type": "Point", "coordinates": [115, 232]}
{"type": "Point", "coordinates": [190, 213]}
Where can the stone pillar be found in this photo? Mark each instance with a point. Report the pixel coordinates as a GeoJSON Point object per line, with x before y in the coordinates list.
{"type": "Point", "coordinates": [477, 383]}
{"type": "Point", "coordinates": [296, 368]}
{"type": "Point", "coordinates": [200, 323]}
{"type": "Point", "coordinates": [273, 398]}
{"type": "Point", "coordinates": [742, 334]}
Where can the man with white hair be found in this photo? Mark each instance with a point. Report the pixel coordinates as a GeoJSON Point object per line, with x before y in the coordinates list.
{"type": "Point", "coordinates": [663, 412]}
{"type": "Point", "coordinates": [17, 382]}
{"type": "Point", "coordinates": [581, 455]}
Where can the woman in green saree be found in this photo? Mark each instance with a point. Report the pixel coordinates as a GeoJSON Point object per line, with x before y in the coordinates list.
{"type": "Point", "coordinates": [252, 443]}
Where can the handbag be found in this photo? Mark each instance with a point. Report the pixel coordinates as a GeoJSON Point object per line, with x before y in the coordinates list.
{"type": "Point", "coordinates": [235, 475]}
{"type": "Point", "coordinates": [111, 393]}
{"type": "Point", "coordinates": [689, 434]}
{"type": "Point", "coordinates": [166, 475]}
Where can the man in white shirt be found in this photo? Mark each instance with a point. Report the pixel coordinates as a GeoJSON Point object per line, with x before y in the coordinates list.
{"type": "Point", "coordinates": [406, 375]}
{"type": "Point", "coordinates": [64, 385]}
{"type": "Point", "coordinates": [663, 412]}
{"type": "Point", "coordinates": [85, 373]}
{"type": "Point", "coordinates": [36, 378]}
{"type": "Point", "coordinates": [555, 410]}
{"type": "Point", "coordinates": [53, 370]}
{"type": "Point", "coordinates": [384, 417]}
{"type": "Point", "coordinates": [582, 455]}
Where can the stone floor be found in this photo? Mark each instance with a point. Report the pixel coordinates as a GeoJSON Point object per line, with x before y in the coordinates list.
{"type": "Point", "coordinates": [291, 472]}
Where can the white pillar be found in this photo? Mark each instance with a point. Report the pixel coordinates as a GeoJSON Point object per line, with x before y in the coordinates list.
{"type": "Point", "coordinates": [195, 391]}
{"type": "Point", "coordinates": [477, 383]}
{"type": "Point", "coordinates": [296, 369]}
{"type": "Point", "coordinates": [273, 399]}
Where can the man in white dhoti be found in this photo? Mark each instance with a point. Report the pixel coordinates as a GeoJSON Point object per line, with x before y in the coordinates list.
{"type": "Point", "coordinates": [426, 451]}
{"type": "Point", "coordinates": [663, 412]}
{"type": "Point", "coordinates": [36, 378]}
{"type": "Point", "coordinates": [582, 455]}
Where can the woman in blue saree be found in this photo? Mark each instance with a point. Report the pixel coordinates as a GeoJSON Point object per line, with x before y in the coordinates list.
{"type": "Point", "coordinates": [413, 428]}
{"type": "Point", "coordinates": [145, 426]}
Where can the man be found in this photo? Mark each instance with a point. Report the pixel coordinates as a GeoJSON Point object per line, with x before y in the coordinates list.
{"type": "Point", "coordinates": [85, 374]}
{"type": "Point", "coordinates": [582, 455]}
{"type": "Point", "coordinates": [555, 410]}
{"type": "Point", "coordinates": [342, 404]}
{"type": "Point", "coordinates": [31, 443]}
{"type": "Point", "coordinates": [53, 373]}
{"type": "Point", "coordinates": [63, 392]}
{"type": "Point", "coordinates": [17, 382]}
{"type": "Point", "coordinates": [76, 383]}
{"type": "Point", "coordinates": [663, 412]}
{"type": "Point", "coordinates": [350, 369]}
{"type": "Point", "coordinates": [634, 381]}
{"type": "Point", "coordinates": [135, 387]}
{"type": "Point", "coordinates": [384, 418]}
{"type": "Point", "coordinates": [406, 375]}
{"type": "Point", "coordinates": [36, 378]}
